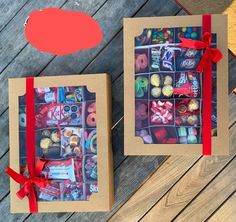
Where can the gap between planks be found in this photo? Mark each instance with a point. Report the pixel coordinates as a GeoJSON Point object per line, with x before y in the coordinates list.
{"type": "Point", "coordinates": [226, 212]}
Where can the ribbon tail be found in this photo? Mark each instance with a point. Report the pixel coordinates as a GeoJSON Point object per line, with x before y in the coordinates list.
{"type": "Point", "coordinates": [39, 166]}
{"type": "Point", "coordinates": [193, 44]}
{"type": "Point", "coordinates": [33, 206]}
{"type": "Point", "coordinates": [16, 176]}
{"type": "Point", "coordinates": [22, 193]}
{"type": "Point", "coordinates": [203, 62]}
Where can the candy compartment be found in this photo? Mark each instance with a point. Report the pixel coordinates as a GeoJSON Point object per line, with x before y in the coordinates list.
{"type": "Point", "coordinates": [187, 59]}
{"type": "Point", "coordinates": [73, 191]}
{"type": "Point", "coordinates": [145, 135]}
{"type": "Point", "coordinates": [162, 35]}
{"type": "Point", "coordinates": [48, 143]}
{"type": "Point", "coordinates": [141, 113]}
{"type": "Point", "coordinates": [161, 112]}
{"type": "Point", "coordinates": [52, 192]}
{"type": "Point", "coordinates": [188, 112]}
{"type": "Point", "coordinates": [155, 54]}
{"type": "Point", "coordinates": [59, 94]}
{"type": "Point", "coordinates": [168, 58]}
{"type": "Point", "coordinates": [194, 33]}
{"type": "Point", "coordinates": [90, 189]}
{"type": "Point", "coordinates": [141, 60]}
{"type": "Point", "coordinates": [72, 142]}
{"type": "Point", "coordinates": [90, 141]}
{"type": "Point", "coordinates": [141, 86]}
{"type": "Point", "coordinates": [90, 168]}
{"type": "Point", "coordinates": [90, 114]}
{"type": "Point", "coordinates": [52, 115]}
{"type": "Point", "coordinates": [144, 38]}
{"type": "Point", "coordinates": [189, 135]}
{"type": "Point", "coordinates": [164, 135]}
{"type": "Point", "coordinates": [161, 85]}
{"type": "Point", "coordinates": [187, 85]}
{"type": "Point", "coordinates": [88, 95]}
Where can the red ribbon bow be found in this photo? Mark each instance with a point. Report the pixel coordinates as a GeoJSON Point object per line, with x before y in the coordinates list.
{"type": "Point", "coordinates": [28, 184]}
{"type": "Point", "coordinates": [34, 179]}
{"type": "Point", "coordinates": [211, 54]}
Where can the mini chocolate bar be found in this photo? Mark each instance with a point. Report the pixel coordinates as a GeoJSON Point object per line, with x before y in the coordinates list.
{"type": "Point", "coordinates": [73, 191]}
{"type": "Point", "coordinates": [51, 115]}
{"type": "Point", "coordinates": [51, 192]}
{"type": "Point", "coordinates": [167, 63]}
{"type": "Point", "coordinates": [69, 135]}
{"type": "Point", "coordinates": [90, 167]}
{"type": "Point", "coordinates": [60, 170]}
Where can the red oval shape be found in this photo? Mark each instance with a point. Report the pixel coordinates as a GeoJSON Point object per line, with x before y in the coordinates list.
{"type": "Point", "coordinates": [62, 32]}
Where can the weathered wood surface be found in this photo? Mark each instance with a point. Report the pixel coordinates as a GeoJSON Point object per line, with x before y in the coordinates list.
{"type": "Point", "coordinates": [172, 187]}
{"type": "Point", "coordinates": [30, 61]}
{"type": "Point", "coordinates": [130, 173]}
{"type": "Point", "coordinates": [227, 212]}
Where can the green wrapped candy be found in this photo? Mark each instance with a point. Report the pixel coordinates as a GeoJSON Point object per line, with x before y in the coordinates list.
{"type": "Point", "coordinates": [193, 35]}
{"type": "Point", "coordinates": [141, 86]}
{"type": "Point", "coordinates": [182, 131]}
{"type": "Point", "coordinates": [192, 139]}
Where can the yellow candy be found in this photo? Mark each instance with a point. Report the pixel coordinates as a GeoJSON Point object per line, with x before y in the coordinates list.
{"type": "Point", "coordinates": [184, 29]}
{"type": "Point", "coordinates": [155, 80]}
{"type": "Point", "coordinates": [167, 90]}
{"type": "Point", "coordinates": [156, 92]}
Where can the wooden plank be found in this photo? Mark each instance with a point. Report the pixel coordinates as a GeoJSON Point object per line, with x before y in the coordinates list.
{"type": "Point", "coordinates": [8, 10]}
{"type": "Point", "coordinates": [227, 212]}
{"type": "Point", "coordinates": [5, 212]}
{"type": "Point", "coordinates": [189, 186]}
{"type": "Point", "coordinates": [4, 133]}
{"type": "Point", "coordinates": [158, 184]}
{"type": "Point", "coordinates": [4, 179]}
{"type": "Point", "coordinates": [30, 61]}
{"type": "Point", "coordinates": [12, 38]}
{"type": "Point", "coordinates": [212, 196]}
{"type": "Point", "coordinates": [128, 178]}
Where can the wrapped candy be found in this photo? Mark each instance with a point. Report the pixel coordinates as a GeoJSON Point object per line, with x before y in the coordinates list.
{"type": "Point", "coordinates": [162, 112]}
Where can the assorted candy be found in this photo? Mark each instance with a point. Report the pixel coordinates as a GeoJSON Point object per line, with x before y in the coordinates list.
{"type": "Point", "coordinates": [161, 85]}
{"type": "Point", "coordinates": [161, 112]}
{"type": "Point", "coordinates": [188, 32]}
{"type": "Point", "coordinates": [141, 86]}
{"type": "Point", "coordinates": [66, 138]}
{"type": "Point", "coordinates": [168, 90]}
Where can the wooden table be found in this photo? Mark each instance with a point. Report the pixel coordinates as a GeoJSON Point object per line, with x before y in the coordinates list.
{"type": "Point", "coordinates": [145, 187]}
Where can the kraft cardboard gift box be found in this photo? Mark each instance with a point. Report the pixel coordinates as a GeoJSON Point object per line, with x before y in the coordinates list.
{"type": "Point", "coordinates": [163, 93]}
{"type": "Point", "coordinates": [73, 137]}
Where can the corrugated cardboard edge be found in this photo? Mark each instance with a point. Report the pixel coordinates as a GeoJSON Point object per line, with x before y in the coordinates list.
{"type": "Point", "coordinates": [101, 201]}
{"type": "Point", "coordinates": [134, 145]}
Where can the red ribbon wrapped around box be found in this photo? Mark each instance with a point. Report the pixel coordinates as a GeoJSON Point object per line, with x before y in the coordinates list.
{"type": "Point", "coordinates": [28, 183]}
{"type": "Point", "coordinates": [211, 55]}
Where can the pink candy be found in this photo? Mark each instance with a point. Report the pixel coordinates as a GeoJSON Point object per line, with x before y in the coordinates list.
{"type": "Point", "coordinates": [162, 112]}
